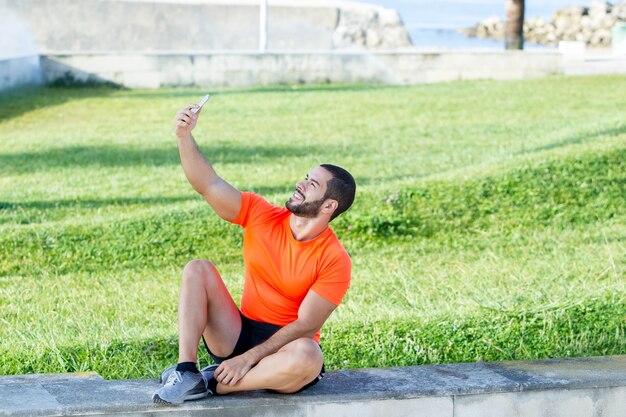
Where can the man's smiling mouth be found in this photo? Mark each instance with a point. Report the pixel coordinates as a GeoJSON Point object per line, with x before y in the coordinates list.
{"type": "Point", "coordinates": [297, 195]}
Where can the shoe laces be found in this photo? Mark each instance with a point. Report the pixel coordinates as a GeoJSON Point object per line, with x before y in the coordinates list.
{"type": "Point", "coordinates": [174, 378]}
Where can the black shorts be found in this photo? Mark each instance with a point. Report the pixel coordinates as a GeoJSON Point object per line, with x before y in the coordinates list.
{"type": "Point", "coordinates": [254, 333]}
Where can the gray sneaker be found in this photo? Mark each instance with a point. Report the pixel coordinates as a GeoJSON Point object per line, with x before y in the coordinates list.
{"type": "Point", "coordinates": [207, 372]}
{"type": "Point", "coordinates": [165, 374]}
{"type": "Point", "coordinates": [180, 387]}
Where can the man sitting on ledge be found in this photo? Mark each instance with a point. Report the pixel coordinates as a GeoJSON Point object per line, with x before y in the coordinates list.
{"type": "Point", "coordinates": [296, 274]}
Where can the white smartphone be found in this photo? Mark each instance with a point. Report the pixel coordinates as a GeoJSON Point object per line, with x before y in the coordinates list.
{"type": "Point", "coordinates": [204, 100]}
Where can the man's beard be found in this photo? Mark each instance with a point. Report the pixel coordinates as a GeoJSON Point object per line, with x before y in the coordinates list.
{"type": "Point", "coordinates": [306, 208]}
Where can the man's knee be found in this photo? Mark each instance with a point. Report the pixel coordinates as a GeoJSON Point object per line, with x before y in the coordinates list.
{"type": "Point", "coordinates": [305, 356]}
{"type": "Point", "coordinates": [303, 363]}
{"type": "Point", "coordinates": [198, 272]}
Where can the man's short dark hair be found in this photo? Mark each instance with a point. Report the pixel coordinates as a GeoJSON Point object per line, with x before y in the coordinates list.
{"type": "Point", "coordinates": [341, 187]}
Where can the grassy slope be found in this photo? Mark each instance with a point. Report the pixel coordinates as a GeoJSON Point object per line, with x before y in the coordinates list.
{"type": "Point", "coordinates": [490, 220]}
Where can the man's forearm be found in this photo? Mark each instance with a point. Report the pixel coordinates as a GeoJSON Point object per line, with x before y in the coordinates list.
{"type": "Point", "coordinates": [287, 334]}
{"type": "Point", "coordinates": [197, 168]}
{"type": "Point", "coordinates": [312, 314]}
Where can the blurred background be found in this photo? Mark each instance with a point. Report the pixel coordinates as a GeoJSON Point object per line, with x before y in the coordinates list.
{"type": "Point", "coordinates": [155, 43]}
{"type": "Point", "coordinates": [436, 23]}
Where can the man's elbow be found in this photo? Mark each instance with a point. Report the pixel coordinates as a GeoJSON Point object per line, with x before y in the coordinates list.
{"type": "Point", "coordinates": [308, 328]}
{"type": "Point", "coordinates": [205, 189]}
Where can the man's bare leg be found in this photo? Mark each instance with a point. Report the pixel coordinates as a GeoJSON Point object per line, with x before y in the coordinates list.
{"type": "Point", "coordinates": [205, 307]}
{"type": "Point", "coordinates": [286, 371]}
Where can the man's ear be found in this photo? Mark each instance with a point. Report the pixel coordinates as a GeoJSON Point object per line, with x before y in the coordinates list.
{"type": "Point", "coordinates": [330, 206]}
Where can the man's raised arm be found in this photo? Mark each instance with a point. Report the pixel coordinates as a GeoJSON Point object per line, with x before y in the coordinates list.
{"type": "Point", "coordinates": [223, 197]}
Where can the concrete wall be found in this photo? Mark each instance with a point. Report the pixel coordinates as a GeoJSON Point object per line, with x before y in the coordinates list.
{"type": "Point", "coordinates": [187, 25]}
{"type": "Point", "coordinates": [243, 69]}
{"type": "Point", "coordinates": [153, 43]}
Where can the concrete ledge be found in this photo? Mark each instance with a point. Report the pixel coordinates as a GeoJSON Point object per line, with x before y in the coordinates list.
{"type": "Point", "coordinates": [245, 68]}
{"type": "Point", "coordinates": [585, 387]}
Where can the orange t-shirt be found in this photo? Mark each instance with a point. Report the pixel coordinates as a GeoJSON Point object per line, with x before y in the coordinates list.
{"type": "Point", "coordinates": [280, 270]}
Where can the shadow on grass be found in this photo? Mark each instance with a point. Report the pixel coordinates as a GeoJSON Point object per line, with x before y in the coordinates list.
{"type": "Point", "coordinates": [118, 156]}
{"type": "Point", "coordinates": [577, 140]}
{"type": "Point", "coordinates": [21, 100]}
{"type": "Point", "coordinates": [285, 189]}
{"type": "Point", "coordinates": [95, 203]}
{"type": "Point", "coordinates": [387, 180]}
{"type": "Point", "coordinates": [194, 93]}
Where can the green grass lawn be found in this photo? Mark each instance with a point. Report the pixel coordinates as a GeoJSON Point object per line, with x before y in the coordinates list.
{"type": "Point", "coordinates": [490, 219]}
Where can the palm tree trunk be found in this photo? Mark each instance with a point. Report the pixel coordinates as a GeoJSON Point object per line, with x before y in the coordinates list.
{"type": "Point", "coordinates": [514, 25]}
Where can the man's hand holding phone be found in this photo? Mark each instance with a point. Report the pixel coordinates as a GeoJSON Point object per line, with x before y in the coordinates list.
{"type": "Point", "coordinates": [202, 102]}
{"type": "Point", "coordinates": [187, 117]}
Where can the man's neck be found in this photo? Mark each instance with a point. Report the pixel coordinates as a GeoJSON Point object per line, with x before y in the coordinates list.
{"type": "Point", "coordinates": [306, 228]}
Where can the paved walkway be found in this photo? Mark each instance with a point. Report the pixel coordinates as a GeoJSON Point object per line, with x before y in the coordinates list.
{"type": "Point", "coordinates": [585, 387]}
{"type": "Point", "coordinates": [595, 62]}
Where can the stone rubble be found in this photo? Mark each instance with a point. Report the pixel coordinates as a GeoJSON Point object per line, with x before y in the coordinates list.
{"type": "Point", "coordinates": [371, 28]}
{"type": "Point", "coordinates": [591, 25]}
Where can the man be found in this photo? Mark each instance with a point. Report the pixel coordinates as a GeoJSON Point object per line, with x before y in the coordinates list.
{"type": "Point", "coordinates": [296, 274]}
